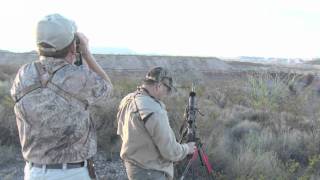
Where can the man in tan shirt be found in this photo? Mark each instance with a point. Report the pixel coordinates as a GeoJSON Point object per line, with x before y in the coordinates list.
{"type": "Point", "coordinates": [149, 146]}
{"type": "Point", "coordinates": [52, 96]}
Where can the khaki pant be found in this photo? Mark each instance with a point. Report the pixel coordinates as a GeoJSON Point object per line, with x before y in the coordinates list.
{"type": "Point", "coordinates": [135, 172]}
{"type": "Point", "coordinates": [34, 173]}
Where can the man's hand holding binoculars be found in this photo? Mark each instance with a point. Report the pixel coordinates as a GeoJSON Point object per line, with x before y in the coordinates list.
{"type": "Point", "coordinates": [90, 60]}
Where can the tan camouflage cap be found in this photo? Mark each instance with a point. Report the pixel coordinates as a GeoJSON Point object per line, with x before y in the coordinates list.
{"type": "Point", "coordinates": [160, 74]}
{"type": "Point", "coordinates": [56, 31]}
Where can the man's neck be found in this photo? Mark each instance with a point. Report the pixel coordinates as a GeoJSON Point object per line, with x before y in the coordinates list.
{"type": "Point", "coordinates": [70, 58]}
{"type": "Point", "coordinates": [150, 91]}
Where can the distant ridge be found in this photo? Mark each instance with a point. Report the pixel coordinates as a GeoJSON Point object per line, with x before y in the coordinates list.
{"type": "Point", "coordinates": [315, 61]}
{"type": "Point", "coordinates": [134, 62]}
{"type": "Point", "coordinates": [184, 64]}
{"type": "Point", "coordinates": [7, 57]}
{"type": "Point", "coordinates": [111, 50]}
{"type": "Point", "coordinates": [270, 60]}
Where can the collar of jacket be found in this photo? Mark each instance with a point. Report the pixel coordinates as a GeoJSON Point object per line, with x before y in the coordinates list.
{"type": "Point", "coordinates": [142, 90]}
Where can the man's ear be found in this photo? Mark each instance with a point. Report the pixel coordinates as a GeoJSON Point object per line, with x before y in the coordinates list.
{"type": "Point", "coordinates": [71, 56]}
{"type": "Point", "coordinates": [158, 86]}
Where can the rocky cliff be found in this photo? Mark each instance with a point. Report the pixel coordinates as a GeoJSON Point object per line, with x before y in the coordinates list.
{"type": "Point", "coordinates": [133, 62]}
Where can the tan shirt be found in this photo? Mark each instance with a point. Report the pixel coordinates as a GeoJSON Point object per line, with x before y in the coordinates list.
{"type": "Point", "coordinates": [53, 129]}
{"type": "Point", "coordinates": [151, 145]}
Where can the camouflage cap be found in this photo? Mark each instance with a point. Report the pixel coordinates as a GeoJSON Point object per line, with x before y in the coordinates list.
{"type": "Point", "coordinates": [56, 31]}
{"type": "Point", "coordinates": [160, 74]}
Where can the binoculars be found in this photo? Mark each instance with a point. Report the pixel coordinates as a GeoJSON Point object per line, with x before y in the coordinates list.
{"type": "Point", "coordinates": [78, 61]}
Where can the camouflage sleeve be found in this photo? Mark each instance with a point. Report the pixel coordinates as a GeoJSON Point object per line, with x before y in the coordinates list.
{"type": "Point", "coordinates": [25, 77]}
{"type": "Point", "coordinates": [95, 87]}
{"type": "Point", "coordinates": [84, 84]}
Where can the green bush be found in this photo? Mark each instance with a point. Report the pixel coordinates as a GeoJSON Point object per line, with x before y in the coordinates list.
{"type": "Point", "coordinates": [267, 92]}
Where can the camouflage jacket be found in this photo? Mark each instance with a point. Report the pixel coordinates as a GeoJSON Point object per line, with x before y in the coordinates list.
{"type": "Point", "coordinates": [147, 138]}
{"type": "Point", "coordinates": [54, 128]}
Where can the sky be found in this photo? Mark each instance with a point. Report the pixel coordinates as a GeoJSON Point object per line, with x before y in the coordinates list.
{"type": "Point", "coordinates": [215, 28]}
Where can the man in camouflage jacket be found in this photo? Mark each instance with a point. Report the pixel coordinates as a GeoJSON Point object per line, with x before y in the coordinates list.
{"type": "Point", "coordinates": [52, 96]}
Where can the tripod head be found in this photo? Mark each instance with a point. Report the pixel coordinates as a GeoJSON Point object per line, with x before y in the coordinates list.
{"type": "Point", "coordinates": [188, 130]}
{"type": "Point", "coordinates": [191, 118]}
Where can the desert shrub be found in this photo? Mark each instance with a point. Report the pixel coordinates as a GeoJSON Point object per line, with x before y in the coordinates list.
{"type": "Point", "coordinates": [304, 103]}
{"type": "Point", "coordinates": [105, 121]}
{"type": "Point", "coordinates": [252, 165]}
{"type": "Point", "coordinates": [124, 86]}
{"type": "Point", "coordinates": [5, 97]}
{"type": "Point", "coordinates": [267, 92]}
{"type": "Point", "coordinates": [249, 161]}
{"type": "Point", "coordinates": [8, 153]}
{"type": "Point", "coordinates": [249, 135]}
{"type": "Point", "coordinates": [313, 167]}
{"type": "Point", "coordinates": [8, 129]}
{"type": "Point", "coordinates": [7, 71]}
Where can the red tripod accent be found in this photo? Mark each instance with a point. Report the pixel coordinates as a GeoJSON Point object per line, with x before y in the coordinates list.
{"type": "Point", "coordinates": [198, 153]}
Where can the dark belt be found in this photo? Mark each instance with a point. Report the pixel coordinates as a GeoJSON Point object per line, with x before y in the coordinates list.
{"type": "Point", "coordinates": [59, 166]}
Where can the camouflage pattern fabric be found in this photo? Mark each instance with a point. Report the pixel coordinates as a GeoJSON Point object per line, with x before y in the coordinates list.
{"type": "Point", "coordinates": [52, 128]}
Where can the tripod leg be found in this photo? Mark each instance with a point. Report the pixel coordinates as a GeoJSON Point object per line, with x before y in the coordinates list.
{"type": "Point", "coordinates": [194, 157]}
{"type": "Point", "coordinates": [205, 161]}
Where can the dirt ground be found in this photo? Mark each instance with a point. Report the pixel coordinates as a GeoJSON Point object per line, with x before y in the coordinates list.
{"type": "Point", "coordinates": [107, 169]}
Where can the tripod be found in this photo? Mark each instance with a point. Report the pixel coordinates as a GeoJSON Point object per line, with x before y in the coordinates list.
{"type": "Point", "coordinates": [189, 133]}
{"type": "Point", "coordinates": [199, 153]}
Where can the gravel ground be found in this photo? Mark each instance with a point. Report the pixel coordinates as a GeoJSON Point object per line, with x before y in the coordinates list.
{"type": "Point", "coordinates": [107, 169]}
